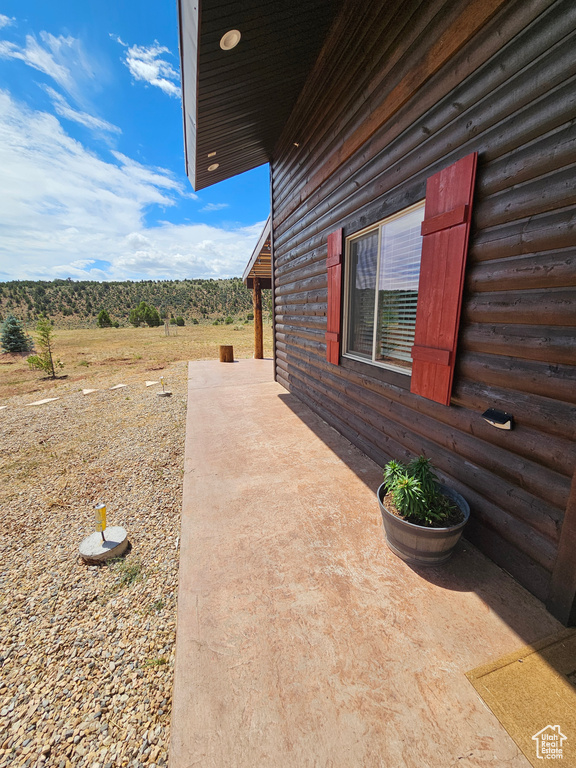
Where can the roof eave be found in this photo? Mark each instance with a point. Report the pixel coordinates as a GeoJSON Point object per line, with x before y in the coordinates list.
{"type": "Point", "coordinates": [237, 101]}
{"type": "Point", "coordinates": [259, 245]}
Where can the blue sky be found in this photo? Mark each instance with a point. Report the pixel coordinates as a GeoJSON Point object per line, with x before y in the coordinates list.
{"type": "Point", "coordinates": [92, 181]}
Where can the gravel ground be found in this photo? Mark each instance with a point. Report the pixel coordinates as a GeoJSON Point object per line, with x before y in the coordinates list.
{"type": "Point", "coordinates": [87, 652]}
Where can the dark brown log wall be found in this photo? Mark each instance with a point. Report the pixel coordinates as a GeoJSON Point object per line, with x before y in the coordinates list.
{"type": "Point", "coordinates": [509, 92]}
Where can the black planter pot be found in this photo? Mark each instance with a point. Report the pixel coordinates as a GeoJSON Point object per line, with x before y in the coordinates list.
{"type": "Point", "coordinates": [418, 544]}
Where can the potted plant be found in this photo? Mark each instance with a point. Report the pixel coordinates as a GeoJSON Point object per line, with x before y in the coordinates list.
{"type": "Point", "coordinates": [423, 519]}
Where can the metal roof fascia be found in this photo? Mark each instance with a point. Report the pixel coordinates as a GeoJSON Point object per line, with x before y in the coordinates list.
{"type": "Point", "coordinates": [186, 85]}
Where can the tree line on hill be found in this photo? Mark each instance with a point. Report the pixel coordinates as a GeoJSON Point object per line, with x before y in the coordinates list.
{"type": "Point", "coordinates": [81, 303]}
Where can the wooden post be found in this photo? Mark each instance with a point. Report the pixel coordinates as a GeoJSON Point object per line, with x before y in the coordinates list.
{"type": "Point", "coordinates": [257, 302]}
{"type": "Point", "coordinates": [226, 353]}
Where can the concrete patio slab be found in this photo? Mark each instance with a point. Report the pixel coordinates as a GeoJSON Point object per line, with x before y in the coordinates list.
{"type": "Point", "coordinates": [302, 640]}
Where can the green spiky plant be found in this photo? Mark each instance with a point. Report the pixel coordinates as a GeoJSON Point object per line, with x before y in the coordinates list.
{"type": "Point", "coordinates": [416, 494]}
{"type": "Point", "coordinates": [421, 469]}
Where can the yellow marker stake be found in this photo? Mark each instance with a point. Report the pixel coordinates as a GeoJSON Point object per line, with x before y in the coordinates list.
{"type": "Point", "coordinates": [162, 382]}
{"type": "Point", "coordinates": [101, 519]}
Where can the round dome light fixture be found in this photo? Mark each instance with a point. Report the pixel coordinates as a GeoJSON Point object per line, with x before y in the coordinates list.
{"type": "Point", "coordinates": [213, 166]}
{"type": "Point", "coordinates": [230, 40]}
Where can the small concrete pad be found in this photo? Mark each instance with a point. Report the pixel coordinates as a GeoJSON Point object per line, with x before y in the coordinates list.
{"type": "Point", "coordinates": [46, 400]}
{"type": "Point", "coordinates": [151, 383]}
{"type": "Point", "coordinates": [89, 391]}
{"type": "Point", "coordinates": [164, 393]}
{"type": "Point", "coordinates": [119, 386]}
{"type": "Point", "coordinates": [94, 550]}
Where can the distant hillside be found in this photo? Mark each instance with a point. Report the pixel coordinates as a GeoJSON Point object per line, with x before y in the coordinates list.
{"type": "Point", "coordinates": [77, 304]}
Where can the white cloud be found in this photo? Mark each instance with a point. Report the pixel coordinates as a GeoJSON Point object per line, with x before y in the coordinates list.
{"type": "Point", "coordinates": [118, 39]}
{"type": "Point", "coordinates": [6, 21]}
{"type": "Point", "coordinates": [64, 109]}
{"type": "Point", "coordinates": [64, 210]}
{"type": "Point", "coordinates": [214, 207]}
{"type": "Point", "coordinates": [136, 241]}
{"type": "Point", "coordinates": [61, 58]}
{"type": "Point", "coordinates": [145, 64]}
{"type": "Point", "coordinates": [186, 250]}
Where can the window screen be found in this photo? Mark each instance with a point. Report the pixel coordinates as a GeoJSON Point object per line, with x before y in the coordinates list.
{"type": "Point", "coordinates": [383, 272]}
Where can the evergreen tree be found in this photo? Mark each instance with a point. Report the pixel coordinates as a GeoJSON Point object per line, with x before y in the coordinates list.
{"type": "Point", "coordinates": [143, 313]}
{"type": "Point", "coordinates": [134, 317]}
{"type": "Point", "coordinates": [44, 361]}
{"type": "Point", "coordinates": [14, 338]}
{"type": "Point", "coordinates": [104, 320]}
{"type": "Point", "coordinates": [152, 317]}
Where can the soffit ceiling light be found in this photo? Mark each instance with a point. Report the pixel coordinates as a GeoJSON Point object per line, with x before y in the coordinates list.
{"type": "Point", "coordinates": [230, 40]}
{"type": "Point", "coordinates": [211, 154]}
{"type": "Point", "coordinates": [213, 167]}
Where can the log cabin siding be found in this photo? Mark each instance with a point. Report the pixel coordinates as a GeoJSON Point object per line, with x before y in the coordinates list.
{"type": "Point", "coordinates": [508, 93]}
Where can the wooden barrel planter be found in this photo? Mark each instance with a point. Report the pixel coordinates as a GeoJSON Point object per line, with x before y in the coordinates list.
{"type": "Point", "coordinates": [418, 544]}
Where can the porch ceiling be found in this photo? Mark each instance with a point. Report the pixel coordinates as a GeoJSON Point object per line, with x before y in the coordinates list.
{"type": "Point", "coordinates": [237, 101]}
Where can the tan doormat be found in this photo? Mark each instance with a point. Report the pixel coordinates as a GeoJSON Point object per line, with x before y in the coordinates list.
{"type": "Point", "coordinates": [532, 692]}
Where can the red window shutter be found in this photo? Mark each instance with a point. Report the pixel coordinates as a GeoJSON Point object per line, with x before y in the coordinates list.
{"type": "Point", "coordinates": [445, 231]}
{"type": "Point", "coordinates": [334, 264]}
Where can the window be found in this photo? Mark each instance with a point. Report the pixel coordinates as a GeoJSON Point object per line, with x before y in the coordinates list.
{"type": "Point", "coordinates": [391, 268]}
{"type": "Point", "coordinates": [383, 268]}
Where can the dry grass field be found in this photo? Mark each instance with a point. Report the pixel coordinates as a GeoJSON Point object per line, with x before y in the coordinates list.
{"type": "Point", "coordinates": [91, 355]}
{"type": "Point", "coordinates": [86, 652]}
